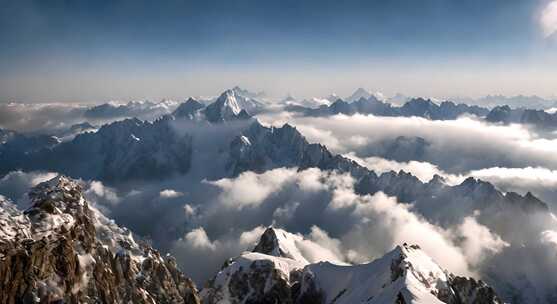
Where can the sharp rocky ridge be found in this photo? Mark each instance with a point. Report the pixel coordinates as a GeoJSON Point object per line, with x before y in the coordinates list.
{"type": "Point", "coordinates": [62, 250]}
{"type": "Point", "coordinates": [277, 272]}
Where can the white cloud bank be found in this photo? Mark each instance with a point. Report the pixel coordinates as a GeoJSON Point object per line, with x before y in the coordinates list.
{"type": "Point", "coordinates": [457, 146]}
{"type": "Point", "coordinates": [540, 181]}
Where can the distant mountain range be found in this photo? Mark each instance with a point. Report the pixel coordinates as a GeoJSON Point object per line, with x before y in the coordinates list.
{"type": "Point", "coordinates": [222, 139]}
{"type": "Point", "coordinates": [415, 107]}
{"type": "Point", "coordinates": [363, 102]}
{"type": "Point", "coordinates": [137, 150]}
{"type": "Point", "coordinates": [520, 101]}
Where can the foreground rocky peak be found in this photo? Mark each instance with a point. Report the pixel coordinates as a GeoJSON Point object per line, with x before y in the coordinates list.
{"type": "Point", "coordinates": [61, 249]}
{"type": "Point", "coordinates": [272, 274]}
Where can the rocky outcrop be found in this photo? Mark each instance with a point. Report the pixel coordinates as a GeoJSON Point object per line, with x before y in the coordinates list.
{"type": "Point", "coordinates": [268, 274]}
{"type": "Point", "coordinates": [62, 250]}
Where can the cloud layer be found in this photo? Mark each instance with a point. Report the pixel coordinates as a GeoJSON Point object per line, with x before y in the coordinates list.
{"type": "Point", "coordinates": [213, 221]}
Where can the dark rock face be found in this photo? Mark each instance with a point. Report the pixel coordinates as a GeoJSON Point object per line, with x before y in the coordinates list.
{"type": "Point", "coordinates": [15, 147]}
{"type": "Point", "coordinates": [469, 291]}
{"type": "Point", "coordinates": [537, 118]}
{"type": "Point", "coordinates": [268, 243]}
{"type": "Point", "coordinates": [260, 148]}
{"type": "Point", "coordinates": [402, 148]}
{"type": "Point", "coordinates": [310, 293]}
{"type": "Point", "coordinates": [125, 150]}
{"type": "Point", "coordinates": [263, 276]}
{"type": "Point", "coordinates": [59, 251]}
{"type": "Point", "coordinates": [250, 281]}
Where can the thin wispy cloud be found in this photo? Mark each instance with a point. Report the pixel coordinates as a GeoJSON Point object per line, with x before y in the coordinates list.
{"type": "Point", "coordinates": [549, 19]}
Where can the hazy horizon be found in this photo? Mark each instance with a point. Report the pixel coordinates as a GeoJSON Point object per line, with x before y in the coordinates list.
{"type": "Point", "coordinates": [125, 50]}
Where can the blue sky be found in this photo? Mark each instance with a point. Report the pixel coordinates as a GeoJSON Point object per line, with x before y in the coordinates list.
{"type": "Point", "coordinates": [98, 50]}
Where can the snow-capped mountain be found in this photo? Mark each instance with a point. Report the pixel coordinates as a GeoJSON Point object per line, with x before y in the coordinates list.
{"type": "Point", "coordinates": [359, 94]}
{"type": "Point", "coordinates": [130, 149]}
{"type": "Point", "coordinates": [61, 250]}
{"type": "Point", "coordinates": [249, 101]}
{"type": "Point", "coordinates": [226, 108]}
{"type": "Point", "coordinates": [229, 106]}
{"type": "Point", "coordinates": [252, 102]}
{"type": "Point", "coordinates": [188, 109]}
{"type": "Point", "coordinates": [365, 94]}
{"type": "Point", "coordinates": [277, 272]}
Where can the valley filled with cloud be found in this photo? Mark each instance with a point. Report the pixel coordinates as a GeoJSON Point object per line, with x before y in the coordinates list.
{"type": "Point", "coordinates": [473, 194]}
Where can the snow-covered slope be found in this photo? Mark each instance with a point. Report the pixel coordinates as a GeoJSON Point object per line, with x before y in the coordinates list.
{"type": "Point", "coordinates": [251, 102]}
{"type": "Point", "coordinates": [277, 272]}
{"type": "Point", "coordinates": [404, 275]}
{"type": "Point", "coordinates": [61, 250]}
{"type": "Point", "coordinates": [265, 275]}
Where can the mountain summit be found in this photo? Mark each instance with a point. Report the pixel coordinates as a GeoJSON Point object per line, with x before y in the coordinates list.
{"type": "Point", "coordinates": [358, 94]}
{"type": "Point", "coordinates": [224, 108]}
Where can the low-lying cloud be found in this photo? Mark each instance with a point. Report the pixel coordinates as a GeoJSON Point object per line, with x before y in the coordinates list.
{"type": "Point", "coordinates": [213, 221]}
{"type": "Point", "coordinates": [456, 146]}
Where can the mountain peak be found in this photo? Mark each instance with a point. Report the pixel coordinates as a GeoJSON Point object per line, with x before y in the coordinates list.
{"type": "Point", "coordinates": [225, 108]}
{"type": "Point", "coordinates": [56, 196]}
{"type": "Point", "coordinates": [247, 93]}
{"type": "Point", "coordinates": [188, 108]}
{"type": "Point", "coordinates": [280, 243]}
{"type": "Point", "coordinates": [359, 94]}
